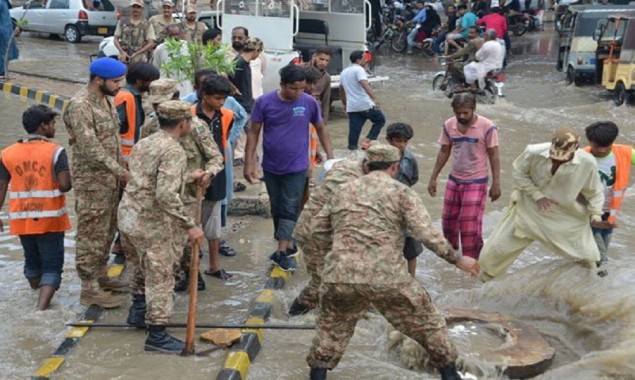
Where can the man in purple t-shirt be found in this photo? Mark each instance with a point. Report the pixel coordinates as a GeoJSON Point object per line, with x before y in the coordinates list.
{"type": "Point", "coordinates": [284, 116]}
{"type": "Point", "coordinates": [472, 141]}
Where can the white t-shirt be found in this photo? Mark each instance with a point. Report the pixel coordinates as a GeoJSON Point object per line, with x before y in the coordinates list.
{"type": "Point", "coordinates": [606, 169]}
{"type": "Point", "coordinates": [356, 98]}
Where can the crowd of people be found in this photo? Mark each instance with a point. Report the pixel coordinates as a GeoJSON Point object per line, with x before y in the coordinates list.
{"type": "Point", "coordinates": [161, 180]}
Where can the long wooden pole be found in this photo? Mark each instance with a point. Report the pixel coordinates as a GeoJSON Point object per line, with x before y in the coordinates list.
{"type": "Point", "coordinates": [193, 283]}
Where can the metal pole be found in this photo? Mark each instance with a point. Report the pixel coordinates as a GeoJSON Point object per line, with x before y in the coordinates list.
{"type": "Point", "coordinates": [201, 326]}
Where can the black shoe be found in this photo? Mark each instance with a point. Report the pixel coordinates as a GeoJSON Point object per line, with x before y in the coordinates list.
{"type": "Point", "coordinates": [120, 258]}
{"type": "Point", "coordinates": [292, 251]}
{"type": "Point", "coordinates": [286, 262]}
{"type": "Point", "coordinates": [318, 374]}
{"type": "Point", "coordinates": [275, 257]}
{"type": "Point", "coordinates": [182, 284]}
{"type": "Point", "coordinates": [298, 309]}
{"type": "Point", "coordinates": [450, 373]}
{"type": "Point", "coordinates": [220, 274]}
{"type": "Point", "coordinates": [137, 311]}
{"type": "Point", "coordinates": [159, 340]}
{"type": "Point", "coordinates": [201, 282]}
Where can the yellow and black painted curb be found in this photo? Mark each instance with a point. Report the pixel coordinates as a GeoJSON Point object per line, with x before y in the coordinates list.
{"type": "Point", "coordinates": [244, 352]}
{"type": "Point", "coordinates": [91, 315]}
{"type": "Point", "coordinates": [56, 101]}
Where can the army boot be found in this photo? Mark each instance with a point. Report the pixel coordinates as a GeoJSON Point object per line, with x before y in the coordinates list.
{"type": "Point", "coordinates": [137, 311]}
{"type": "Point", "coordinates": [182, 283]}
{"type": "Point", "coordinates": [298, 309]}
{"type": "Point", "coordinates": [159, 340]}
{"type": "Point", "coordinates": [450, 373]}
{"type": "Point", "coordinates": [115, 285]}
{"type": "Point", "coordinates": [93, 295]}
{"type": "Point", "coordinates": [318, 374]}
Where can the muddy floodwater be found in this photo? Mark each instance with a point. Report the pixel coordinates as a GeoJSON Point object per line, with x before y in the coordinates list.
{"type": "Point", "coordinates": [589, 320]}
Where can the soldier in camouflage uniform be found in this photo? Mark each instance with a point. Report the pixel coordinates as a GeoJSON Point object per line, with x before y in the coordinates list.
{"type": "Point", "coordinates": [202, 153]}
{"type": "Point", "coordinates": [341, 173]}
{"type": "Point", "coordinates": [134, 35]}
{"type": "Point", "coordinates": [193, 29]}
{"type": "Point", "coordinates": [161, 21]}
{"type": "Point", "coordinates": [364, 223]}
{"type": "Point", "coordinates": [153, 218]}
{"type": "Point", "coordinates": [97, 173]}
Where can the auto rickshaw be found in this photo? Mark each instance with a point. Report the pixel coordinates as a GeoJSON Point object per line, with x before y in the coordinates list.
{"type": "Point", "coordinates": [615, 56]}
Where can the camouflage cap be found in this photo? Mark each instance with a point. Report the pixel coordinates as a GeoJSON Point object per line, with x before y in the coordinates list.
{"type": "Point", "coordinates": [378, 152]}
{"type": "Point", "coordinates": [174, 110]}
{"type": "Point", "coordinates": [162, 90]}
{"type": "Point", "coordinates": [191, 9]}
{"type": "Point", "coordinates": [564, 143]}
{"type": "Point", "coordinates": [250, 45]}
{"type": "Point", "coordinates": [137, 2]}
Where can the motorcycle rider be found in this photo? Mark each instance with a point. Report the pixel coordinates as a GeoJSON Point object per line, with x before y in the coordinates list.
{"type": "Point", "coordinates": [466, 20]}
{"type": "Point", "coordinates": [466, 54]}
{"type": "Point", "coordinates": [498, 22]}
{"type": "Point", "coordinates": [490, 57]}
{"type": "Point", "coordinates": [419, 18]}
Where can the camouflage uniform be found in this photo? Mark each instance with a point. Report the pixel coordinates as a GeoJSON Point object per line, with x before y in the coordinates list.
{"type": "Point", "coordinates": [134, 35]}
{"type": "Point", "coordinates": [202, 153]}
{"type": "Point", "coordinates": [159, 24]}
{"type": "Point", "coordinates": [364, 223]}
{"type": "Point", "coordinates": [200, 150]}
{"type": "Point", "coordinates": [341, 173]}
{"type": "Point", "coordinates": [93, 129]}
{"type": "Point", "coordinates": [152, 217]}
{"type": "Point", "coordinates": [194, 33]}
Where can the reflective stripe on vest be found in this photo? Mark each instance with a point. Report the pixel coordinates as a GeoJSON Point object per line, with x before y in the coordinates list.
{"type": "Point", "coordinates": [623, 156]}
{"type": "Point", "coordinates": [37, 214]}
{"type": "Point", "coordinates": [226, 118]}
{"type": "Point", "coordinates": [128, 138]}
{"type": "Point", "coordinates": [34, 194]}
{"type": "Point", "coordinates": [36, 204]}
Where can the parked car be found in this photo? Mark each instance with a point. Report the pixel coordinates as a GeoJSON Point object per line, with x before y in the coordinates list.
{"type": "Point", "coordinates": [70, 18]}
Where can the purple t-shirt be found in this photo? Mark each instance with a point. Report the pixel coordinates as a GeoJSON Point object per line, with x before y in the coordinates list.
{"type": "Point", "coordinates": [285, 131]}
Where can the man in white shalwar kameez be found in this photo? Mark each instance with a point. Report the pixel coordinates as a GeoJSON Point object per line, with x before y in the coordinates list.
{"type": "Point", "coordinates": [161, 56]}
{"type": "Point", "coordinates": [490, 57]}
{"type": "Point", "coordinates": [557, 192]}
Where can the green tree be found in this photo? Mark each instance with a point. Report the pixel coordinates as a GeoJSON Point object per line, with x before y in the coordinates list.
{"type": "Point", "coordinates": [199, 56]}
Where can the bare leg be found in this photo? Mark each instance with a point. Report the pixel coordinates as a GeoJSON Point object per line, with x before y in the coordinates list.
{"type": "Point", "coordinates": [34, 282]}
{"type": "Point", "coordinates": [46, 294]}
{"type": "Point", "coordinates": [283, 245]}
{"type": "Point", "coordinates": [412, 267]}
{"type": "Point", "coordinates": [214, 246]}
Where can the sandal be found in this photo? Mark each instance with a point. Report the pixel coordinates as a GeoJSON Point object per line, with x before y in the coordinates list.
{"type": "Point", "coordinates": [239, 186]}
{"type": "Point", "coordinates": [221, 274]}
{"type": "Point", "coordinates": [227, 251]}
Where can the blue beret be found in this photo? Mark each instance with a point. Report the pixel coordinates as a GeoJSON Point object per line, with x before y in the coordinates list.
{"type": "Point", "coordinates": [107, 68]}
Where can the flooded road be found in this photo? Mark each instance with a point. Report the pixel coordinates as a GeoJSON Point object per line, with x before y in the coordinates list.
{"type": "Point", "coordinates": [589, 320]}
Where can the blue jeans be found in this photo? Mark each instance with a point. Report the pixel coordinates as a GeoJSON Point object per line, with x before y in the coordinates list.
{"type": "Point", "coordinates": [411, 37]}
{"type": "Point", "coordinates": [437, 43]}
{"type": "Point", "coordinates": [285, 193]}
{"type": "Point", "coordinates": [356, 122]}
{"type": "Point", "coordinates": [602, 238]}
{"type": "Point", "coordinates": [44, 257]}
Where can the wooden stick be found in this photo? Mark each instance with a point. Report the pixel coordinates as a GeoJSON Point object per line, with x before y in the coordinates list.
{"type": "Point", "coordinates": [193, 283]}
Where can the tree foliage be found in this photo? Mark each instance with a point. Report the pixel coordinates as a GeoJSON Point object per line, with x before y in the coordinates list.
{"type": "Point", "coordinates": [199, 56]}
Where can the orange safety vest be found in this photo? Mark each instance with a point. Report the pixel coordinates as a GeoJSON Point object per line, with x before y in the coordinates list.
{"type": "Point", "coordinates": [36, 204]}
{"type": "Point", "coordinates": [623, 155]}
{"type": "Point", "coordinates": [226, 118]}
{"type": "Point", "coordinates": [128, 139]}
{"type": "Point", "coordinates": [313, 145]}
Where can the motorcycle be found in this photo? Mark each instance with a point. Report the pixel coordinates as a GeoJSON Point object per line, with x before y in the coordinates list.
{"type": "Point", "coordinates": [425, 45]}
{"type": "Point", "coordinates": [392, 29]}
{"type": "Point", "coordinates": [518, 23]}
{"type": "Point", "coordinates": [451, 81]}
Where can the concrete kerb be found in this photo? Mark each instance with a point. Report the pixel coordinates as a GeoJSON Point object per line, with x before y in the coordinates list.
{"type": "Point", "coordinates": [245, 351]}
{"type": "Point", "coordinates": [56, 101]}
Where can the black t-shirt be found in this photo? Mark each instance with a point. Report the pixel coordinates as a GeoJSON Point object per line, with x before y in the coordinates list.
{"type": "Point", "coordinates": [217, 190]}
{"type": "Point", "coordinates": [60, 165]}
{"type": "Point", "coordinates": [242, 80]}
